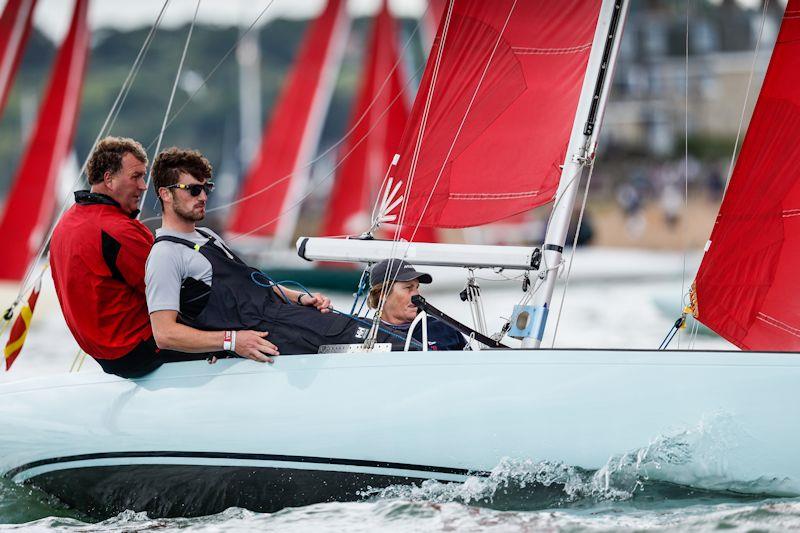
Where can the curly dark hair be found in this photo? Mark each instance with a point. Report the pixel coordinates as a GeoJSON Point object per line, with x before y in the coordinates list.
{"type": "Point", "coordinates": [107, 157]}
{"type": "Point", "coordinates": [172, 162]}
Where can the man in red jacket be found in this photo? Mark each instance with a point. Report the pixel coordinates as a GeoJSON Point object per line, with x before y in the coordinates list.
{"type": "Point", "coordinates": [97, 255]}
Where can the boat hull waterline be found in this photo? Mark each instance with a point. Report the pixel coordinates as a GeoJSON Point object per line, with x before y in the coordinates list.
{"type": "Point", "coordinates": [193, 438]}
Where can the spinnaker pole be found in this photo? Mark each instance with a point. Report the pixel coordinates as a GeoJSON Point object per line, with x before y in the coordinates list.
{"type": "Point", "coordinates": [580, 152]}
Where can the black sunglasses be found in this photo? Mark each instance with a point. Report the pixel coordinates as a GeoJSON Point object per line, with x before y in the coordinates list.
{"type": "Point", "coordinates": [196, 188]}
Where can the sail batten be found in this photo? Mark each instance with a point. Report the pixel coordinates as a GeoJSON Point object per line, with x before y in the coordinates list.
{"type": "Point", "coordinates": [747, 285]}
{"type": "Point", "coordinates": [502, 102]}
{"type": "Point", "coordinates": [279, 172]}
{"type": "Point", "coordinates": [29, 206]}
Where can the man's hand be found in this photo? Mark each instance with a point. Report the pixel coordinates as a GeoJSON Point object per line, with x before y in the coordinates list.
{"type": "Point", "coordinates": [253, 345]}
{"type": "Point", "coordinates": [318, 300]}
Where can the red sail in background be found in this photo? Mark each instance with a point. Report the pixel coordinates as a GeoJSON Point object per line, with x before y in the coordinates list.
{"type": "Point", "coordinates": [512, 72]}
{"type": "Point", "coordinates": [29, 205]}
{"type": "Point", "coordinates": [748, 287]}
{"type": "Point", "coordinates": [377, 120]}
{"type": "Point", "coordinates": [291, 137]}
{"type": "Point", "coordinates": [15, 28]}
{"type": "Point", "coordinates": [433, 15]}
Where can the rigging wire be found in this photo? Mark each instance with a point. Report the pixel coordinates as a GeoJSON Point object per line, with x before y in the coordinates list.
{"type": "Point", "coordinates": [312, 187]}
{"type": "Point", "coordinates": [27, 281]}
{"type": "Point", "coordinates": [214, 69]}
{"type": "Point", "coordinates": [572, 253]}
{"type": "Point", "coordinates": [415, 155]}
{"type": "Point", "coordinates": [685, 156]}
{"type": "Point", "coordinates": [169, 103]}
{"type": "Point", "coordinates": [341, 140]}
{"type": "Point", "coordinates": [747, 93]}
{"type": "Point", "coordinates": [423, 124]}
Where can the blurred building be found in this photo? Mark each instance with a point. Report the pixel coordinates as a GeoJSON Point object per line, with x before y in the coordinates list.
{"type": "Point", "coordinates": [647, 110]}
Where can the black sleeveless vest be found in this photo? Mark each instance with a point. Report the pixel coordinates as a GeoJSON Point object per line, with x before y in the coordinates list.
{"type": "Point", "coordinates": [235, 301]}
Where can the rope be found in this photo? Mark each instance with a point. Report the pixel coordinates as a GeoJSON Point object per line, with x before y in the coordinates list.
{"type": "Point", "coordinates": [169, 104]}
{"type": "Point", "coordinates": [747, 93]}
{"type": "Point", "coordinates": [27, 282]}
{"type": "Point", "coordinates": [77, 361]}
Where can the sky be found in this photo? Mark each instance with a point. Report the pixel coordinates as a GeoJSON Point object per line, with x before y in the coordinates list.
{"type": "Point", "coordinates": [52, 16]}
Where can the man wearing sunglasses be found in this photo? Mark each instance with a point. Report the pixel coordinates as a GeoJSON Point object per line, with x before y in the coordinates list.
{"type": "Point", "coordinates": [194, 280]}
{"type": "Point", "coordinates": [97, 256]}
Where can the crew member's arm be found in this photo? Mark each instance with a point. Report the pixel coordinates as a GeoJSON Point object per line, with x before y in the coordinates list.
{"type": "Point", "coordinates": [170, 334]}
{"type": "Point", "coordinates": [164, 274]}
{"type": "Point", "coordinates": [316, 299]}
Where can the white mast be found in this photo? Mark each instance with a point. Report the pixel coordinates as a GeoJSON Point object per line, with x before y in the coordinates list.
{"type": "Point", "coordinates": [582, 144]}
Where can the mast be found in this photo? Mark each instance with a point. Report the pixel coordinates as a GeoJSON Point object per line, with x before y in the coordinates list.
{"type": "Point", "coordinates": [580, 153]}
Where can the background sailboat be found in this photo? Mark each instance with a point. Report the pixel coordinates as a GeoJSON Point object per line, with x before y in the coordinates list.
{"type": "Point", "coordinates": [265, 215]}
{"type": "Point", "coordinates": [15, 28]}
{"type": "Point", "coordinates": [29, 206]}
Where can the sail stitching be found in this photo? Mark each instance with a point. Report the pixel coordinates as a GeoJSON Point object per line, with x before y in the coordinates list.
{"type": "Point", "coordinates": [790, 213]}
{"type": "Point", "coordinates": [519, 50]}
{"type": "Point", "coordinates": [492, 196]}
{"type": "Point", "coordinates": [772, 321]}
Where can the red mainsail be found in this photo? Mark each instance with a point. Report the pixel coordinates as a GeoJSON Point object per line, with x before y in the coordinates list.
{"type": "Point", "coordinates": [279, 171]}
{"type": "Point", "coordinates": [15, 28]}
{"type": "Point", "coordinates": [748, 287]}
{"type": "Point", "coordinates": [29, 205]}
{"type": "Point", "coordinates": [491, 121]}
{"type": "Point", "coordinates": [378, 117]}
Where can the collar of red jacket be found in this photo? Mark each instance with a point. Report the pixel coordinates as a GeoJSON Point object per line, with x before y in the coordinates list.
{"type": "Point", "coordinates": [93, 198]}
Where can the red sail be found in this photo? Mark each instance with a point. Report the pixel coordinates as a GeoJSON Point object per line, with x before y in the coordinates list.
{"type": "Point", "coordinates": [279, 171]}
{"type": "Point", "coordinates": [15, 28]}
{"type": "Point", "coordinates": [748, 287]}
{"type": "Point", "coordinates": [378, 117]}
{"type": "Point", "coordinates": [433, 15]}
{"type": "Point", "coordinates": [502, 103]}
{"type": "Point", "coordinates": [29, 205]}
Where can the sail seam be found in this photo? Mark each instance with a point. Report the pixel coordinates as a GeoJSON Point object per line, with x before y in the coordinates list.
{"type": "Point", "coordinates": [772, 321]}
{"type": "Point", "coordinates": [551, 51]}
{"type": "Point", "coordinates": [492, 196]}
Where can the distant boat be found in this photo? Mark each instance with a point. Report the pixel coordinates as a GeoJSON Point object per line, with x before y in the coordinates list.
{"type": "Point", "coordinates": [29, 206]}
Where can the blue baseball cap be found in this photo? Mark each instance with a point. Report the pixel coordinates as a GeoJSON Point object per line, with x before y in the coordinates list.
{"type": "Point", "coordinates": [400, 271]}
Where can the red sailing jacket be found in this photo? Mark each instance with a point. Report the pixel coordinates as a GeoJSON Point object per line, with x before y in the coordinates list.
{"type": "Point", "coordinates": [97, 255]}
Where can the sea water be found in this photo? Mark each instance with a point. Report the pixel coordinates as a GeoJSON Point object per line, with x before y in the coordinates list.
{"type": "Point", "coordinates": [520, 494]}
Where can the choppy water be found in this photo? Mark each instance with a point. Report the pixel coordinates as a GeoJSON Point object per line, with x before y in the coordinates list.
{"type": "Point", "coordinates": [637, 490]}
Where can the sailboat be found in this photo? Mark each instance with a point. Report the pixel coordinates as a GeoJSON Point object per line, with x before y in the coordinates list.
{"type": "Point", "coordinates": [193, 438]}
{"type": "Point", "coordinates": [15, 29]}
{"type": "Point", "coordinates": [29, 206]}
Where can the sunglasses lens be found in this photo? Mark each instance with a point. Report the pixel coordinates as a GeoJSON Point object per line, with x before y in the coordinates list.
{"type": "Point", "coordinates": [209, 187]}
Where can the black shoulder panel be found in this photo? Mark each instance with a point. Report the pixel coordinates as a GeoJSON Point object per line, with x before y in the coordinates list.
{"type": "Point", "coordinates": [111, 247]}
